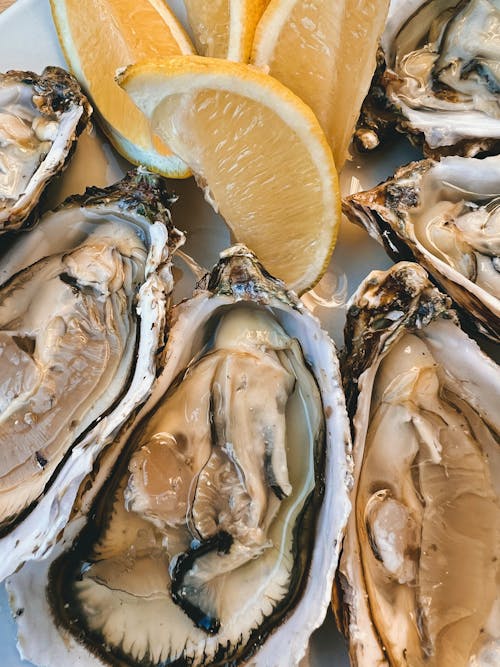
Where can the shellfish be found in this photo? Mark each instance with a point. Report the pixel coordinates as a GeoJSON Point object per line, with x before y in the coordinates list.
{"type": "Point", "coordinates": [82, 306]}
{"type": "Point", "coordinates": [419, 573]}
{"type": "Point", "coordinates": [444, 215]}
{"type": "Point", "coordinates": [215, 538]}
{"type": "Point", "coordinates": [41, 117]}
{"type": "Point", "coordinates": [438, 79]}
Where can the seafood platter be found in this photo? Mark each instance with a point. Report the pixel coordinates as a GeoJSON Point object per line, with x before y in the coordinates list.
{"type": "Point", "coordinates": [201, 467]}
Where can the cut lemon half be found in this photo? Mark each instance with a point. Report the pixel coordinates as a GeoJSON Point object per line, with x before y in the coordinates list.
{"type": "Point", "coordinates": [98, 37]}
{"type": "Point", "coordinates": [256, 149]}
{"type": "Point", "coordinates": [326, 53]}
{"type": "Point", "coordinates": [224, 28]}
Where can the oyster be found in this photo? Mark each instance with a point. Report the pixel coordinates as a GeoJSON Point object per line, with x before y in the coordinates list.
{"type": "Point", "coordinates": [446, 216]}
{"type": "Point", "coordinates": [82, 306]}
{"type": "Point", "coordinates": [419, 572]}
{"type": "Point", "coordinates": [215, 539]}
{"type": "Point", "coordinates": [41, 117]}
{"type": "Point", "coordinates": [438, 78]}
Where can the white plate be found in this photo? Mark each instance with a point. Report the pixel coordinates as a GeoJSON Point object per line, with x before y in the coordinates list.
{"type": "Point", "coordinates": [29, 41]}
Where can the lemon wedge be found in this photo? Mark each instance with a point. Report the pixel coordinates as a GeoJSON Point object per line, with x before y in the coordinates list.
{"type": "Point", "coordinates": [256, 149]}
{"type": "Point", "coordinates": [98, 37]}
{"type": "Point", "coordinates": [326, 53]}
{"type": "Point", "coordinates": [224, 28]}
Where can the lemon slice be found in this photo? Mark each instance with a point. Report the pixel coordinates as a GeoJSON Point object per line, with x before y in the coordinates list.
{"type": "Point", "coordinates": [326, 53]}
{"type": "Point", "coordinates": [257, 150]}
{"type": "Point", "coordinates": [98, 37]}
{"type": "Point", "coordinates": [224, 28]}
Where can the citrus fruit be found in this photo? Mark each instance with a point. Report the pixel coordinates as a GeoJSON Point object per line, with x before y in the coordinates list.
{"type": "Point", "coordinates": [325, 52]}
{"type": "Point", "coordinates": [256, 149]}
{"type": "Point", "coordinates": [224, 28]}
{"type": "Point", "coordinates": [98, 37]}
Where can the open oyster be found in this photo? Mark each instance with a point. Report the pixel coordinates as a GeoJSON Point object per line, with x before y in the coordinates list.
{"type": "Point", "coordinates": [439, 77]}
{"type": "Point", "coordinates": [216, 537]}
{"type": "Point", "coordinates": [82, 306]}
{"type": "Point", "coordinates": [41, 117]}
{"type": "Point", "coordinates": [446, 216]}
{"type": "Point", "coordinates": [420, 573]}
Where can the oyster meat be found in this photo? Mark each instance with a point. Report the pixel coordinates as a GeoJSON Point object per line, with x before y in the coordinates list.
{"type": "Point", "coordinates": [446, 216]}
{"type": "Point", "coordinates": [82, 306]}
{"type": "Point", "coordinates": [215, 539]}
{"type": "Point", "coordinates": [41, 117]}
{"type": "Point", "coordinates": [439, 77]}
{"type": "Point", "coordinates": [420, 572]}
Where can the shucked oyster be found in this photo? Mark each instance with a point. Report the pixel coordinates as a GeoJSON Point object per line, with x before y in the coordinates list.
{"type": "Point", "coordinates": [82, 306]}
{"type": "Point", "coordinates": [420, 572]}
{"type": "Point", "coordinates": [41, 117]}
{"type": "Point", "coordinates": [446, 216]}
{"type": "Point", "coordinates": [439, 78]}
{"type": "Point", "coordinates": [215, 539]}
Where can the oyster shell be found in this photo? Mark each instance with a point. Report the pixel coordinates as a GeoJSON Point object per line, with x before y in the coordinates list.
{"type": "Point", "coordinates": [446, 216]}
{"type": "Point", "coordinates": [439, 77]}
{"type": "Point", "coordinates": [215, 539]}
{"type": "Point", "coordinates": [41, 117]}
{"type": "Point", "coordinates": [419, 572]}
{"type": "Point", "coordinates": [82, 307]}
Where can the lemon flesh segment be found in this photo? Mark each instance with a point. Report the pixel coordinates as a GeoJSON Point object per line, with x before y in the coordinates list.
{"type": "Point", "coordinates": [209, 22]}
{"type": "Point", "coordinates": [224, 28]}
{"type": "Point", "coordinates": [297, 41]}
{"type": "Point", "coordinates": [326, 53]}
{"type": "Point", "coordinates": [100, 36]}
{"type": "Point", "coordinates": [257, 150]}
{"type": "Point", "coordinates": [361, 31]}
